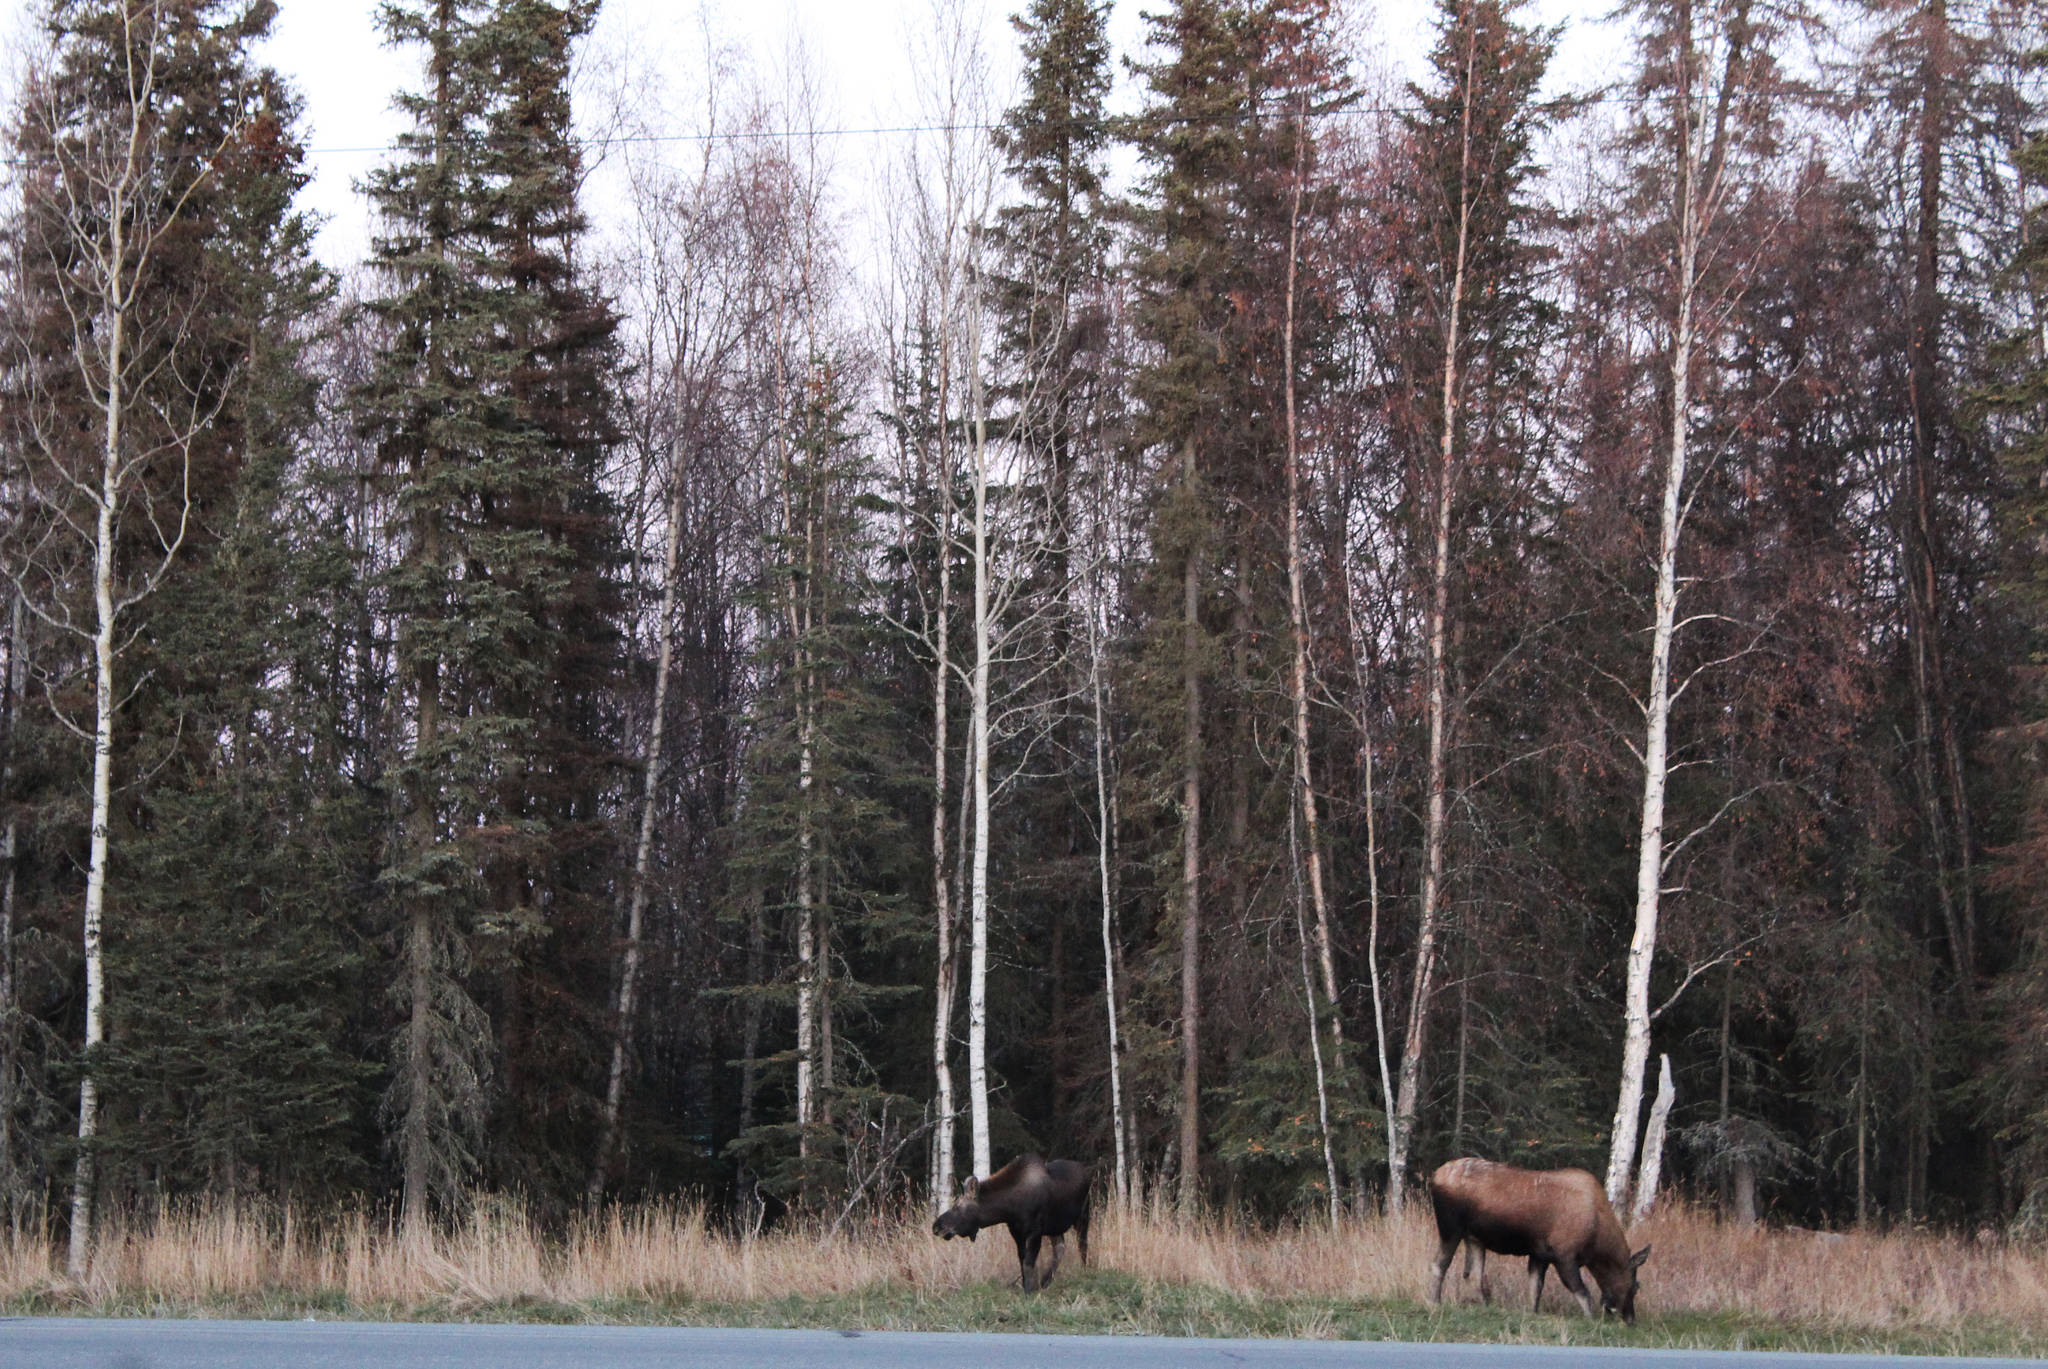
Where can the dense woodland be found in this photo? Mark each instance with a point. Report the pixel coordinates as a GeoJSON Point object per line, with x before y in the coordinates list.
{"type": "Point", "coordinates": [1277, 635]}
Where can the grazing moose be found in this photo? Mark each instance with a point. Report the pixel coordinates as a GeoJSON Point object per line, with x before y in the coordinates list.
{"type": "Point", "coordinates": [1035, 1198]}
{"type": "Point", "coordinates": [1556, 1217]}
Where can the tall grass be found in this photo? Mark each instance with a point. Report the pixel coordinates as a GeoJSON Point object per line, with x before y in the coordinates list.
{"type": "Point", "coordinates": [665, 1253]}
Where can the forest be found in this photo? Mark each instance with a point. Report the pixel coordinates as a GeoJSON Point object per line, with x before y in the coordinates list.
{"type": "Point", "coordinates": [1285, 628]}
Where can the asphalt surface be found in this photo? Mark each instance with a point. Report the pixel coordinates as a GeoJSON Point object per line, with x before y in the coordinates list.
{"type": "Point", "coordinates": [53, 1343]}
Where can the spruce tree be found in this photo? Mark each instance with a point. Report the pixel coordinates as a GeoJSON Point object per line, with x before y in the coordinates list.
{"type": "Point", "coordinates": [1051, 300]}
{"type": "Point", "coordinates": [232, 1066]}
{"type": "Point", "coordinates": [1187, 275]}
{"type": "Point", "coordinates": [491, 411]}
{"type": "Point", "coordinates": [1213, 225]}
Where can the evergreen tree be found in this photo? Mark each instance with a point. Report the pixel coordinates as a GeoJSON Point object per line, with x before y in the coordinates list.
{"type": "Point", "coordinates": [1051, 297]}
{"type": "Point", "coordinates": [1213, 228]}
{"type": "Point", "coordinates": [491, 412]}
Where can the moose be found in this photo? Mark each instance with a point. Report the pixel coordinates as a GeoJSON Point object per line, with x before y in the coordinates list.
{"type": "Point", "coordinates": [1557, 1217]}
{"type": "Point", "coordinates": [1035, 1198]}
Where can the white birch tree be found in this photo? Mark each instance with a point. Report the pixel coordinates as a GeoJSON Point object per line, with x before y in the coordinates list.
{"type": "Point", "coordinates": [111, 191]}
{"type": "Point", "coordinates": [936, 212]}
{"type": "Point", "coordinates": [1297, 616]}
{"type": "Point", "coordinates": [1700, 102]}
{"type": "Point", "coordinates": [1429, 927]}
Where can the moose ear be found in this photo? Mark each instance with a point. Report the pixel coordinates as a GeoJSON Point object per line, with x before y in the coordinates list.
{"type": "Point", "coordinates": [1635, 1261]}
{"type": "Point", "coordinates": [968, 1191]}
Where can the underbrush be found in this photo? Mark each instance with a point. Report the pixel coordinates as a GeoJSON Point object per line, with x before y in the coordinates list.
{"type": "Point", "coordinates": [1707, 1284]}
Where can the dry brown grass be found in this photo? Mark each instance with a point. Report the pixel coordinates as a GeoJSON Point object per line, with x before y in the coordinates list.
{"type": "Point", "coordinates": [664, 1254]}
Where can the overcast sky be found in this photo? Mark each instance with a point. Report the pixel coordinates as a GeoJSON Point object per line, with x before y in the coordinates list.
{"type": "Point", "coordinates": [860, 48]}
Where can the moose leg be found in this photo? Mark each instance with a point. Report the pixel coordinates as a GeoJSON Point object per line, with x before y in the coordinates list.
{"type": "Point", "coordinates": [1538, 1267]}
{"type": "Point", "coordinates": [1059, 1248]}
{"type": "Point", "coordinates": [1081, 1234]}
{"type": "Point", "coordinates": [1446, 1246]}
{"type": "Point", "coordinates": [1568, 1275]}
{"type": "Point", "coordinates": [1027, 1260]}
{"type": "Point", "coordinates": [1485, 1288]}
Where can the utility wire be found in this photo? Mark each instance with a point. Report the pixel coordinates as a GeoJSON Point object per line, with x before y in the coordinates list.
{"type": "Point", "coordinates": [761, 135]}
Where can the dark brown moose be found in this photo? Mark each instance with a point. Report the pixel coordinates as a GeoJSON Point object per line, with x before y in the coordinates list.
{"type": "Point", "coordinates": [1035, 1198]}
{"type": "Point", "coordinates": [1556, 1217]}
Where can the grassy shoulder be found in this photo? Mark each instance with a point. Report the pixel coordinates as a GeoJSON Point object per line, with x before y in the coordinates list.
{"type": "Point", "coordinates": [1104, 1302]}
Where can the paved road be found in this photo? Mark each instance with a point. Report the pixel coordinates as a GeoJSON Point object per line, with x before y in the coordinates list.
{"type": "Point", "coordinates": [51, 1343]}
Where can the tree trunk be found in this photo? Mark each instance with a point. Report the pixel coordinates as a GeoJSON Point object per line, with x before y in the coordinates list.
{"type": "Point", "coordinates": [11, 1193]}
{"type": "Point", "coordinates": [1653, 1141]}
{"type": "Point", "coordinates": [1191, 863]}
{"type": "Point", "coordinates": [1937, 754]}
{"type": "Point", "coordinates": [750, 1025]}
{"type": "Point", "coordinates": [1431, 920]}
{"type": "Point", "coordinates": [1106, 837]}
{"type": "Point", "coordinates": [807, 950]}
{"type": "Point", "coordinates": [1862, 1121]}
{"type": "Point", "coordinates": [1727, 1046]}
{"type": "Point", "coordinates": [1315, 1035]}
{"type": "Point", "coordinates": [977, 965]}
{"type": "Point", "coordinates": [1745, 1192]}
{"type": "Point", "coordinates": [643, 850]}
{"type": "Point", "coordinates": [422, 835]}
{"type": "Point", "coordinates": [809, 954]}
{"type": "Point", "coordinates": [1368, 801]}
{"type": "Point", "coordinates": [942, 891]}
{"type": "Point", "coordinates": [1464, 1055]}
{"type": "Point", "coordinates": [1297, 609]}
{"type": "Point", "coordinates": [105, 700]}
{"type": "Point", "coordinates": [1642, 951]}
{"type": "Point", "coordinates": [422, 822]}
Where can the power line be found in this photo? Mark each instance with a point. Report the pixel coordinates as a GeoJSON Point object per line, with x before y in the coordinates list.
{"type": "Point", "coordinates": [900, 130]}
{"type": "Point", "coordinates": [761, 135]}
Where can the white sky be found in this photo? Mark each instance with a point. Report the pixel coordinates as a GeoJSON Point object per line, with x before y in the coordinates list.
{"type": "Point", "coordinates": [861, 49]}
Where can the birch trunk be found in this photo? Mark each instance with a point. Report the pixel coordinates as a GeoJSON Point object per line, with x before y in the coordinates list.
{"type": "Point", "coordinates": [1297, 609]}
{"type": "Point", "coordinates": [1701, 157]}
{"type": "Point", "coordinates": [947, 977]}
{"type": "Point", "coordinates": [109, 184]}
{"type": "Point", "coordinates": [1642, 949]}
{"type": "Point", "coordinates": [1297, 612]}
{"type": "Point", "coordinates": [1372, 880]}
{"type": "Point", "coordinates": [1653, 1141]}
{"type": "Point", "coordinates": [807, 949]}
{"type": "Point", "coordinates": [1388, 1102]}
{"type": "Point", "coordinates": [1429, 929]}
{"type": "Point", "coordinates": [1635, 1053]}
{"type": "Point", "coordinates": [977, 703]}
{"type": "Point", "coordinates": [643, 849]}
{"type": "Point", "coordinates": [1106, 837]}
{"type": "Point", "coordinates": [797, 617]}
{"type": "Point", "coordinates": [114, 410]}
{"type": "Point", "coordinates": [942, 893]}
{"type": "Point", "coordinates": [1315, 1038]}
